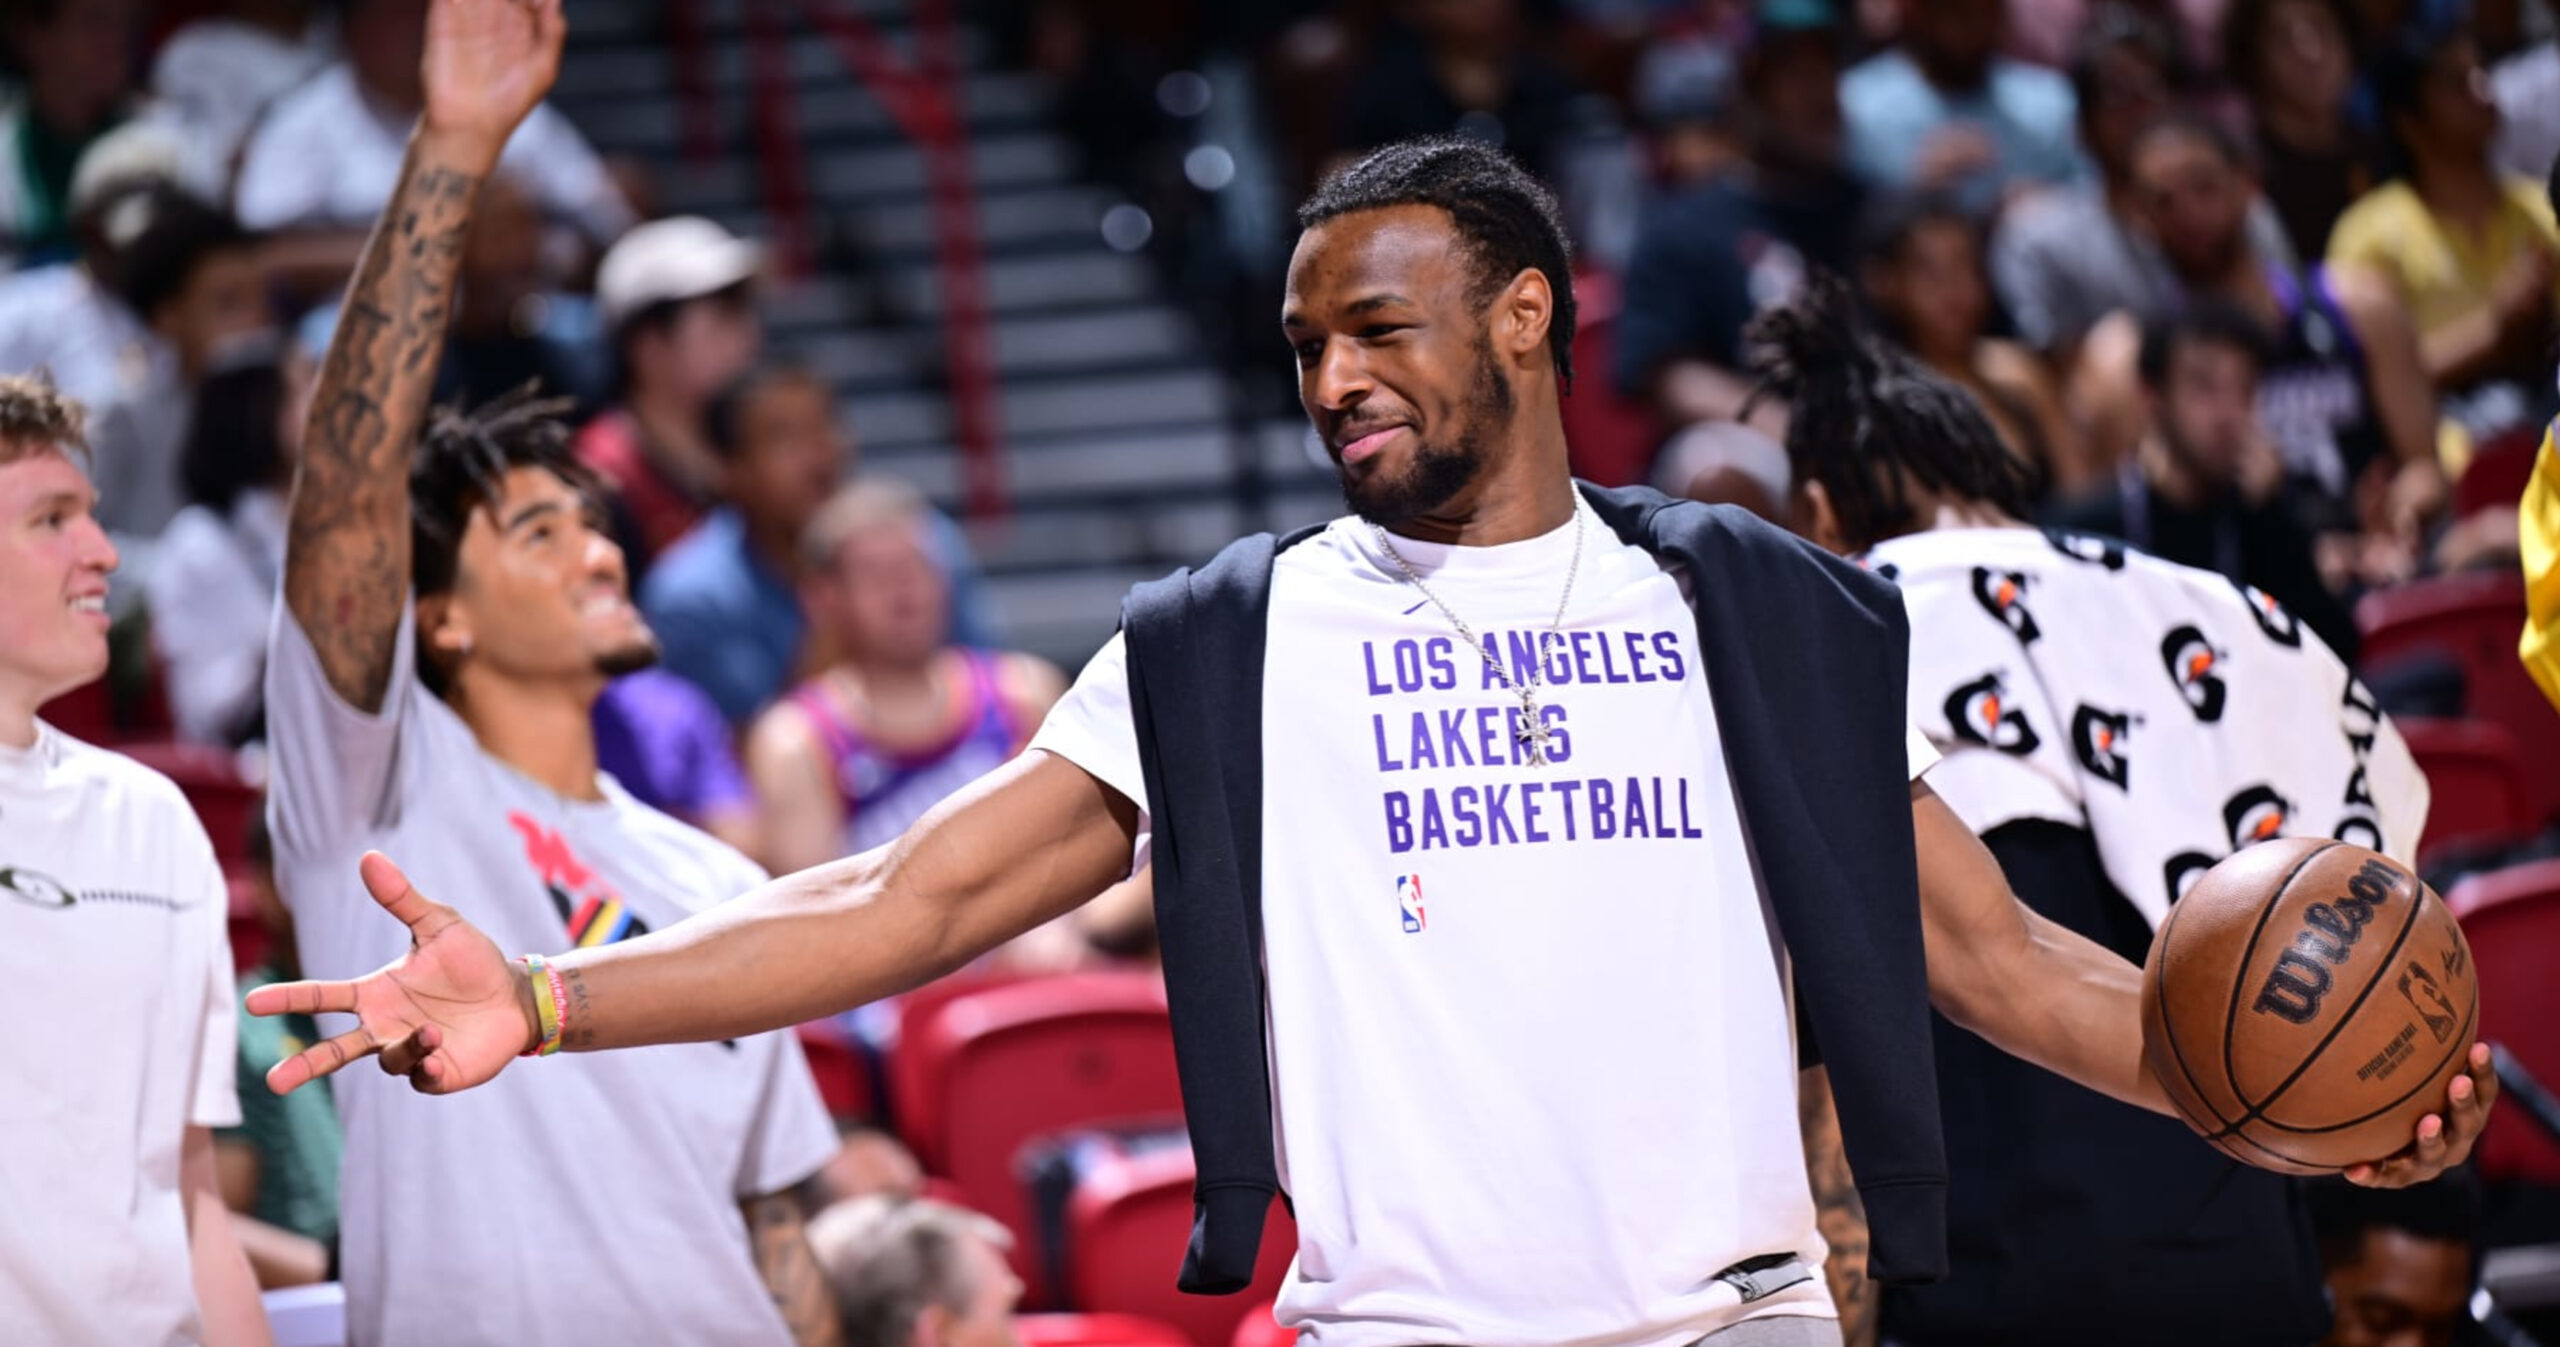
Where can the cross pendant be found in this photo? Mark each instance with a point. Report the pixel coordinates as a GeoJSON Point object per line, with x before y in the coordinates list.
{"type": "Point", "coordinates": [1531, 733]}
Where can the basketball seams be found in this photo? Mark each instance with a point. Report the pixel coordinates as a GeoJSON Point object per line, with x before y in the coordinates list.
{"type": "Point", "coordinates": [2240, 978]}
{"type": "Point", "coordinates": [2169, 1028]}
{"type": "Point", "coordinates": [2257, 1109]}
{"type": "Point", "coordinates": [2462, 1037]}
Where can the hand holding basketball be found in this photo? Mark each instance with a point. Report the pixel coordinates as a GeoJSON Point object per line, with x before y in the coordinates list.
{"type": "Point", "coordinates": [2310, 1008]}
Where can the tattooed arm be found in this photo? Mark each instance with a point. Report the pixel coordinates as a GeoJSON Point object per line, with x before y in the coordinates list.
{"type": "Point", "coordinates": [1837, 1211]}
{"type": "Point", "coordinates": [779, 1237]}
{"type": "Point", "coordinates": [347, 553]}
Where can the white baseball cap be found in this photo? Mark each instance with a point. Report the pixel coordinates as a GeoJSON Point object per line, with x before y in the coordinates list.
{"type": "Point", "coordinates": [681, 257]}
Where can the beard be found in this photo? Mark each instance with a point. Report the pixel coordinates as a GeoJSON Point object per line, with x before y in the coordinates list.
{"type": "Point", "coordinates": [1439, 470]}
{"type": "Point", "coordinates": [629, 658]}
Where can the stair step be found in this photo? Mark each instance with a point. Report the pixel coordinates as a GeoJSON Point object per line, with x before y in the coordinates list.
{"type": "Point", "coordinates": [1065, 616]}
{"type": "Point", "coordinates": [605, 22]}
{"type": "Point", "coordinates": [1074, 468]}
{"type": "Point", "coordinates": [603, 70]}
{"type": "Point", "coordinates": [855, 177]}
{"type": "Point", "coordinates": [1161, 534]}
{"type": "Point", "coordinates": [840, 111]}
{"type": "Point", "coordinates": [1016, 284]}
{"type": "Point", "coordinates": [1032, 344]}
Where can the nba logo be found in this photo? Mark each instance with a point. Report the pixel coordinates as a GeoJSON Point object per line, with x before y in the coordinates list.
{"type": "Point", "coordinates": [1409, 902]}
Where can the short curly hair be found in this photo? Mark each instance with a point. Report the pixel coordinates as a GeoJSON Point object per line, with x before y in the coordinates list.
{"type": "Point", "coordinates": [38, 418]}
{"type": "Point", "coordinates": [1508, 219]}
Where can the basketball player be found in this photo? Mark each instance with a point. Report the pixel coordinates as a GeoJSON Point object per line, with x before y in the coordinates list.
{"type": "Point", "coordinates": [2102, 774]}
{"type": "Point", "coordinates": [451, 614]}
{"type": "Point", "coordinates": [1503, 931]}
{"type": "Point", "coordinates": [111, 902]}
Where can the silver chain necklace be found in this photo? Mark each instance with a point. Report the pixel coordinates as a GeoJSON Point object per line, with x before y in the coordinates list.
{"type": "Point", "coordinates": [1531, 734]}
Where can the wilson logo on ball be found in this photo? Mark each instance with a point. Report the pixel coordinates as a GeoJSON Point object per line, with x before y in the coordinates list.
{"type": "Point", "coordinates": [2300, 979]}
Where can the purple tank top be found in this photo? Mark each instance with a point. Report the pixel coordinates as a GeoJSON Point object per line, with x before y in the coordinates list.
{"type": "Point", "coordinates": [885, 792]}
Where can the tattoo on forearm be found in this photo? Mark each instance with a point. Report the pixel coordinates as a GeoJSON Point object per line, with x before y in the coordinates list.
{"type": "Point", "coordinates": [347, 551]}
{"type": "Point", "coordinates": [581, 1032]}
{"type": "Point", "coordinates": [1838, 1213]}
{"type": "Point", "coordinates": [779, 1238]}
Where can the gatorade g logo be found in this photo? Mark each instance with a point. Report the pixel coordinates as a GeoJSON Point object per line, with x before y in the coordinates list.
{"type": "Point", "coordinates": [1979, 715]}
{"type": "Point", "coordinates": [2281, 627]}
{"type": "Point", "coordinates": [2083, 547]}
{"type": "Point", "coordinates": [2183, 870]}
{"type": "Point", "coordinates": [2300, 980]}
{"type": "Point", "coordinates": [1999, 593]}
{"type": "Point", "coordinates": [2190, 660]}
{"type": "Point", "coordinates": [2098, 737]}
{"type": "Point", "coordinates": [2255, 815]}
{"type": "Point", "coordinates": [39, 889]}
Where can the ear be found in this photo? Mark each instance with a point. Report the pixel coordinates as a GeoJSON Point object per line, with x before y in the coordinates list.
{"type": "Point", "coordinates": [443, 629]}
{"type": "Point", "coordinates": [1522, 313]}
{"type": "Point", "coordinates": [1814, 519]}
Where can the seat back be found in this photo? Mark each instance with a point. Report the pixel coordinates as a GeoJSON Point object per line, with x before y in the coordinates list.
{"type": "Point", "coordinates": [2496, 476]}
{"type": "Point", "coordinates": [1127, 1227]}
{"type": "Point", "coordinates": [1259, 1329]}
{"type": "Point", "coordinates": [842, 1067]}
{"type": "Point", "coordinates": [1609, 438]}
{"type": "Point", "coordinates": [2511, 918]}
{"type": "Point", "coordinates": [1095, 1330]}
{"type": "Point", "coordinates": [2475, 619]}
{"type": "Point", "coordinates": [2479, 794]}
{"type": "Point", "coordinates": [223, 799]}
{"type": "Point", "coordinates": [990, 1071]}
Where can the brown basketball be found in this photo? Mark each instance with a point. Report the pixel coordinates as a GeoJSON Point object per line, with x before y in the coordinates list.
{"type": "Point", "coordinates": [2306, 1003]}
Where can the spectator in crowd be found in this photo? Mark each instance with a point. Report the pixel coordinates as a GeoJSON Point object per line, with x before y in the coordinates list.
{"type": "Point", "coordinates": [75, 60]}
{"type": "Point", "coordinates": [451, 613]}
{"type": "Point", "coordinates": [666, 742]}
{"type": "Point", "coordinates": [2471, 251]}
{"type": "Point", "coordinates": [725, 599]}
{"type": "Point", "coordinates": [2292, 60]}
{"type": "Point", "coordinates": [509, 327]}
{"type": "Point", "coordinates": [111, 1125]}
{"type": "Point", "coordinates": [678, 297]}
{"type": "Point", "coordinates": [917, 1274]}
{"type": "Point", "coordinates": [1942, 108]}
{"type": "Point", "coordinates": [2063, 260]}
{"type": "Point", "coordinates": [1923, 275]}
{"type": "Point", "coordinates": [904, 717]}
{"type": "Point", "coordinates": [2401, 1262]}
{"type": "Point", "coordinates": [2341, 391]}
{"type": "Point", "coordinates": [279, 1167]}
{"type": "Point", "coordinates": [217, 74]}
{"type": "Point", "coordinates": [1685, 92]}
{"type": "Point", "coordinates": [2072, 1217]}
{"type": "Point", "coordinates": [1726, 463]}
{"type": "Point", "coordinates": [1461, 67]}
{"type": "Point", "coordinates": [321, 162]}
{"type": "Point", "coordinates": [1709, 256]}
{"type": "Point", "coordinates": [212, 586]}
{"type": "Point", "coordinates": [2203, 489]}
{"type": "Point", "coordinates": [166, 285]}
{"type": "Point", "coordinates": [2526, 87]}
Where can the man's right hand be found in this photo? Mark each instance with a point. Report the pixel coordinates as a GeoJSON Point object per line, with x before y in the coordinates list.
{"type": "Point", "coordinates": [450, 1014]}
{"type": "Point", "coordinates": [488, 63]}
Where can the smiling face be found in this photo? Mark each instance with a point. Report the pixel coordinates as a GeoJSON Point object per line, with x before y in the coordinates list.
{"type": "Point", "coordinates": [54, 562]}
{"type": "Point", "coordinates": [539, 593]}
{"type": "Point", "coordinates": [1396, 364]}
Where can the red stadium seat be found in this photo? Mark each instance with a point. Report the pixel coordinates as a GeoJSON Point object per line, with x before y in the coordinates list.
{"type": "Point", "coordinates": [2476, 776]}
{"type": "Point", "coordinates": [249, 937]}
{"type": "Point", "coordinates": [2475, 619]}
{"type": "Point", "coordinates": [916, 1010]}
{"type": "Point", "coordinates": [1127, 1227]}
{"type": "Point", "coordinates": [1610, 439]}
{"type": "Point", "coordinates": [2512, 919]}
{"type": "Point", "coordinates": [2496, 476]}
{"type": "Point", "coordinates": [1259, 1329]}
{"type": "Point", "coordinates": [86, 713]}
{"type": "Point", "coordinates": [1095, 1330]}
{"type": "Point", "coordinates": [842, 1068]}
{"type": "Point", "coordinates": [223, 799]}
{"type": "Point", "coordinates": [986, 1072]}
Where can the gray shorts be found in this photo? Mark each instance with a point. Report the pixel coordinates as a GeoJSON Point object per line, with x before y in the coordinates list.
{"type": "Point", "coordinates": [1777, 1330]}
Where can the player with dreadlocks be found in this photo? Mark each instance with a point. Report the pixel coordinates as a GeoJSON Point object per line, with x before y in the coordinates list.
{"type": "Point", "coordinates": [453, 609]}
{"type": "Point", "coordinates": [2058, 677]}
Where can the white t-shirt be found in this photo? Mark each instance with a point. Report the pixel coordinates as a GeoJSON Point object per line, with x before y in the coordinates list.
{"type": "Point", "coordinates": [215, 75]}
{"type": "Point", "coordinates": [328, 157]}
{"type": "Point", "coordinates": [115, 980]}
{"type": "Point", "coordinates": [586, 1198]}
{"type": "Point", "coordinates": [1533, 1062]}
{"type": "Point", "coordinates": [211, 587]}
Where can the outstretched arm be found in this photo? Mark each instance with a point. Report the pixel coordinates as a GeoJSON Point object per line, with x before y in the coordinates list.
{"type": "Point", "coordinates": [2044, 993]}
{"type": "Point", "coordinates": [1020, 846]}
{"type": "Point", "coordinates": [346, 571]}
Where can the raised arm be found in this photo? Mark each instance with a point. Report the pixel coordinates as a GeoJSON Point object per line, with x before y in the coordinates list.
{"type": "Point", "coordinates": [346, 570]}
{"type": "Point", "coordinates": [1022, 845]}
{"type": "Point", "coordinates": [2046, 994]}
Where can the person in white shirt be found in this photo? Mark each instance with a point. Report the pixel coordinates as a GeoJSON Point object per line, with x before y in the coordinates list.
{"type": "Point", "coordinates": [214, 573]}
{"type": "Point", "coordinates": [321, 162]}
{"type": "Point", "coordinates": [1531, 1064]}
{"type": "Point", "coordinates": [451, 614]}
{"type": "Point", "coordinates": [110, 901]}
{"type": "Point", "coordinates": [217, 75]}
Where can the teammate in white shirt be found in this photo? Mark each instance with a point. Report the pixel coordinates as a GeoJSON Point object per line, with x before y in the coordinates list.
{"type": "Point", "coordinates": [650, 1199]}
{"type": "Point", "coordinates": [1544, 1096]}
{"type": "Point", "coordinates": [111, 908]}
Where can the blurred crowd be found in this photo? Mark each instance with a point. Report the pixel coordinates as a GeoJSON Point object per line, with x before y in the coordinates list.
{"type": "Point", "coordinates": [2253, 284]}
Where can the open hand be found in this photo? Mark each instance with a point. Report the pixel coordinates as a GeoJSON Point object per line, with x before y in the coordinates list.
{"type": "Point", "coordinates": [2444, 1139]}
{"type": "Point", "coordinates": [488, 63]}
{"type": "Point", "coordinates": [449, 1014]}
